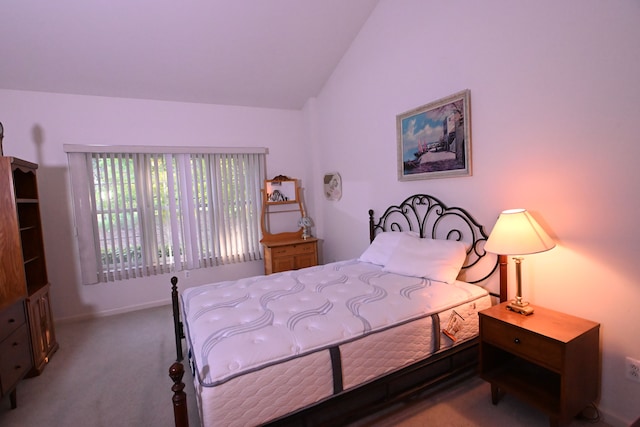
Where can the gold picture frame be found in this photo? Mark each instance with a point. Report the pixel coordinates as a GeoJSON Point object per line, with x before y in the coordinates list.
{"type": "Point", "coordinates": [434, 140]}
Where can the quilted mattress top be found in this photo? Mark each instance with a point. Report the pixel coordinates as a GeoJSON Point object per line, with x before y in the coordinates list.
{"type": "Point", "coordinates": [235, 327]}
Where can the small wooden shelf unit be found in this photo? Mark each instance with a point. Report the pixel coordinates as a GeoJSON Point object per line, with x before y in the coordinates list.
{"type": "Point", "coordinates": [287, 250]}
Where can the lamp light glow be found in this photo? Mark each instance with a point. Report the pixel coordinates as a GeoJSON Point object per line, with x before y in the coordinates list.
{"type": "Point", "coordinates": [517, 233]}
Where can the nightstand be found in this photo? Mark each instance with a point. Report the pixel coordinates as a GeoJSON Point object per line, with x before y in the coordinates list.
{"type": "Point", "coordinates": [550, 360]}
{"type": "Point", "coordinates": [290, 254]}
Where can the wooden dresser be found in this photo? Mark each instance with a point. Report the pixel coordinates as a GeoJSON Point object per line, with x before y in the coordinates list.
{"type": "Point", "coordinates": [290, 254]}
{"type": "Point", "coordinates": [549, 359]}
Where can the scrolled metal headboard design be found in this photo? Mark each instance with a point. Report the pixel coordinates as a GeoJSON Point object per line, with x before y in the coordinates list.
{"type": "Point", "coordinates": [430, 218]}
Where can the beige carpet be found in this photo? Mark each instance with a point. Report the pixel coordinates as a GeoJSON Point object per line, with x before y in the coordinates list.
{"type": "Point", "coordinates": [113, 371]}
{"type": "Point", "coordinates": [465, 404]}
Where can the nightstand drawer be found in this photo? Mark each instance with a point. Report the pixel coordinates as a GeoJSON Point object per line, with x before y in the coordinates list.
{"type": "Point", "coordinates": [297, 249]}
{"type": "Point", "coordinates": [525, 344]}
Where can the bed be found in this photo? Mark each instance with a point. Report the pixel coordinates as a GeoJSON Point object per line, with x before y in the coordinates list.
{"type": "Point", "coordinates": [326, 344]}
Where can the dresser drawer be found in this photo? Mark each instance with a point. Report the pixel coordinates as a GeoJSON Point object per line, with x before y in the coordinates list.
{"type": "Point", "coordinates": [526, 344]}
{"type": "Point", "coordinates": [11, 318]}
{"type": "Point", "coordinates": [297, 249]}
{"type": "Point", "coordinates": [15, 357]}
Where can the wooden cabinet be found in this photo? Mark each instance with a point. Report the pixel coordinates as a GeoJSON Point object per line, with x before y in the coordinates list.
{"type": "Point", "coordinates": [290, 255]}
{"type": "Point", "coordinates": [549, 359]}
{"type": "Point", "coordinates": [43, 337]}
{"type": "Point", "coordinates": [20, 205]}
{"type": "Point", "coordinates": [14, 330]}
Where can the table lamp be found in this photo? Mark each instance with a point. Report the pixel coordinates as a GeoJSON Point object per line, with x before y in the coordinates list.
{"type": "Point", "coordinates": [517, 233]}
{"type": "Point", "coordinates": [305, 222]}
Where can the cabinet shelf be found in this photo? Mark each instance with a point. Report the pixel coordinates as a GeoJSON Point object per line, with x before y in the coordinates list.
{"type": "Point", "coordinates": [32, 259]}
{"type": "Point", "coordinates": [282, 210]}
{"type": "Point", "coordinates": [28, 215]}
{"type": "Point", "coordinates": [527, 381]}
{"type": "Point", "coordinates": [24, 179]}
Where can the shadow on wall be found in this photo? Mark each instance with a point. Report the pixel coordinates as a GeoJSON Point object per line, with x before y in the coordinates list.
{"type": "Point", "coordinates": [57, 229]}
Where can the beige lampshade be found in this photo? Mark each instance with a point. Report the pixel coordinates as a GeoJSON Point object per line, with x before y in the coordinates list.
{"type": "Point", "coordinates": [517, 233]}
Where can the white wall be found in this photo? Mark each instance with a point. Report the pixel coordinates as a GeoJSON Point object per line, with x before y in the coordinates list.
{"type": "Point", "coordinates": [554, 104]}
{"type": "Point", "coordinates": [38, 124]}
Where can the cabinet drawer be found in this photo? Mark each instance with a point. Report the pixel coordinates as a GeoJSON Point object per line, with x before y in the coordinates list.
{"type": "Point", "coordinates": [297, 249]}
{"type": "Point", "coordinates": [15, 358]}
{"type": "Point", "coordinates": [523, 343]}
{"type": "Point", "coordinates": [11, 318]}
{"type": "Point", "coordinates": [283, 264]}
{"type": "Point", "coordinates": [306, 260]}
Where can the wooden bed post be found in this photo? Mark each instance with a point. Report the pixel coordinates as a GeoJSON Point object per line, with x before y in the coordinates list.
{"type": "Point", "coordinates": [176, 371]}
{"type": "Point", "coordinates": [372, 233]}
{"type": "Point", "coordinates": [176, 318]}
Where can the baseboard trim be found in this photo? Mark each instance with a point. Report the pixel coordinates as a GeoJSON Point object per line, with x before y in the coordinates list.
{"type": "Point", "coordinates": [106, 313]}
{"type": "Point", "coordinates": [615, 421]}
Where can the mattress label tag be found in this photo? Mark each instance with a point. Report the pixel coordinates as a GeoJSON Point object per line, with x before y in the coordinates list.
{"type": "Point", "coordinates": [453, 325]}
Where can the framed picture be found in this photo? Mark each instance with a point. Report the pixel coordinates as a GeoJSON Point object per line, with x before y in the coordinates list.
{"type": "Point", "coordinates": [332, 186]}
{"type": "Point", "coordinates": [434, 140]}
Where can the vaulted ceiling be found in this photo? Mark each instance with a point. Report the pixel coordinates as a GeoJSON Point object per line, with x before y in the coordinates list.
{"type": "Point", "coordinates": [261, 53]}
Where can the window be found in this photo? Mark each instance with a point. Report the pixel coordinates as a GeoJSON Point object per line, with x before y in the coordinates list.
{"type": "Point", "coordinates": [141, 211]}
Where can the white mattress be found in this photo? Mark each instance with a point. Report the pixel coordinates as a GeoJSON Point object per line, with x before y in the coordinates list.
{"type": "Point", "coordinates": [260, 345]}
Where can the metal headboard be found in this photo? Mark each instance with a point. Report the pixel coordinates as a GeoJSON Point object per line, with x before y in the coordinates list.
{"type": "Point", "coordinates": [430, 218]}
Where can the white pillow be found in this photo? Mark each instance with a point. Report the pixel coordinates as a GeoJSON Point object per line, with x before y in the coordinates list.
{"type": "Point", "coordinates": [439, 260]}
{"type": "Point", "coordinates": [380, 250]}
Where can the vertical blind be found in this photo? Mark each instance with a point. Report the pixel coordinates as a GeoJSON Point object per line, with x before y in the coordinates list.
{"type": "Point", "coordinates": [145, 213]}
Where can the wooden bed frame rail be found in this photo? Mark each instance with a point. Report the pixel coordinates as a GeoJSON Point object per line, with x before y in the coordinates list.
{"type": "Point", "coordinates": [427, 216]}
{"type": "Point", "coordinates": [349, 406]}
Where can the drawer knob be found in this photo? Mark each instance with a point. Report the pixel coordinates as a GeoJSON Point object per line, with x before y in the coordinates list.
{"type": "Point", "coordinates": [516, 340]}
{"type": "Point", "coordinates": [12, 320]}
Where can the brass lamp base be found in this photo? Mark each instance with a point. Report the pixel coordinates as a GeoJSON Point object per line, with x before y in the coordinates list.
{"type": "Point", "coordinates": [517, 304]}
{"type": "Point", "coordinates": [520, 307]}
